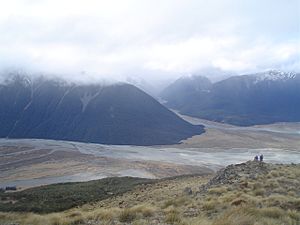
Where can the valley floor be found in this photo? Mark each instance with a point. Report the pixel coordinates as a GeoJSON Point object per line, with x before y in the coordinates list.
{"type": "Point", "coordinates": [285, 136]}
{"type": "Point", "coordinates": [27, 162]}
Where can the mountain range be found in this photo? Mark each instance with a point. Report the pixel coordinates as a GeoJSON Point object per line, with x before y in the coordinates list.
{"type": "Point", "coordinates": [108, 114]}
{"type": "Point", "coordinates": [261, 98]}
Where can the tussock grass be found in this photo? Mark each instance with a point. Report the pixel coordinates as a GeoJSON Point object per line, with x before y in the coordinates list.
{"type": "Point", "coordinates": [197, 220]}
{"type": "Point", "coordinates": [237, 216]}
{"type": "Point", "coordinates": [173, 216]}
{"type": "Point", "coordinates": [270, 199]}
{"type": "Point", "coordinates": [257, 186]}
{"type": "Point", "coordinates": [293, 214]}
{"type": "Point", "coordinates": [275, 173]}
{"type": "Point", "coordinates": [210, 205]}
{"type": "Point", "coordinates": [259, 192]}
{"type": "Point", "coordinates": [228, 197]}
{"type": "Point", "coordinates": [271, 184]}
{"type": "Point", "coordinates": [217, 190]}
{"type": "Point", "coordinates": [272, 212]}
{"type": "Point", "coordinates": [176, 202]}
{"type": "Point", "coordinates": [103, 214]}
{"type": "Point", "coordinates": [144, 210]}
{"type": "Point", "coordinates": [127, 215]}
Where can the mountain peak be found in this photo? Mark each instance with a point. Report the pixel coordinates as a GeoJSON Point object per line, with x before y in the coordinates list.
{"type": "Point", "coordinates": [261, 98]}
{"type": "Point", "coordinates": [274, 75]}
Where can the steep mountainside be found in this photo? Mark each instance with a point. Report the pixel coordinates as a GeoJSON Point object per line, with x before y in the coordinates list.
{"type": "Point", "coordinates": [262, 98]}
{"type": "Point", "coordinates": [110, 114]}
{"type": "Point", "coordinates": [186, 88]}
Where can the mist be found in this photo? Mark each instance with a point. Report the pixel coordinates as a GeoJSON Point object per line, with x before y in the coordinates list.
{"type": "Point", "coordinates": [155, 41]}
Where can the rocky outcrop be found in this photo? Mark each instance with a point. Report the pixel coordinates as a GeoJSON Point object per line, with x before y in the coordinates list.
{"type": "Point", "coordinates": [234, 173]}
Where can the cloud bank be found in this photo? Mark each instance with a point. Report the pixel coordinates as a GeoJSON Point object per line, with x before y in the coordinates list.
{"type": "Point", "coordinates": [151, 39]}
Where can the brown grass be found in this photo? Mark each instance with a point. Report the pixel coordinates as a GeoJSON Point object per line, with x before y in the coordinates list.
{"type": "Point", "coordinates": [271, 199]}
{"type": "Point", "coordinates": [127, 215]}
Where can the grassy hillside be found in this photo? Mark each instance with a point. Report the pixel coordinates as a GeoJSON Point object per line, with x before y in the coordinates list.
{"type": "Point", "coordinates": [59, 197]}
{"type": "Point", "coordinates": [246, 194]}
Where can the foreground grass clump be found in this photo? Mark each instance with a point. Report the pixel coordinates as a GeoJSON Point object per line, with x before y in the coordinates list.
{"type": "Point", "coordinates": [127, 215]}
{"type": "Point", "coordinates": [175, 202]}
{"type": "Point", "coordinates": [173, 216]}
{"type": "Point", "coordinates": [257, 200]}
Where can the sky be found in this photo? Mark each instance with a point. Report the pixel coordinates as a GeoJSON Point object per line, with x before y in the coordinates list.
{"type": "Point", "coordinates": [148, 39]}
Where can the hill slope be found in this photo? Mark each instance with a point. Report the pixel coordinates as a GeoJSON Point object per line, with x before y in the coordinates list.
{"type": "Point", "coordinates": [108, 114]}
{"type": "Point", "coordinates": [248, 193]}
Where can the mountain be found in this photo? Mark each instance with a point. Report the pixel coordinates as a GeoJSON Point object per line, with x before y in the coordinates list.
{"type": "Point", "coordinates": [186, 89]}
{"type": "Point", "coordinates": [261, 98]}
{"type": "Point", "coordinates": [108, 114]}
{"type": "Point", "coordinates": [152, 87]}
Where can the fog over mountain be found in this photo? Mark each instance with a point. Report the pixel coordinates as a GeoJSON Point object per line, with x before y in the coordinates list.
{"type": "Point", "coordinates": [156, 40]}
{"type": "Point", "coordinates": [145, 44]}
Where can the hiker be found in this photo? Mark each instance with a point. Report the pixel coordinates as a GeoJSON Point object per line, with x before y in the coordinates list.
{"type": "Point", "coordinates": [261, 157]}
{"type": "Point", "coordinates": [256, 158]}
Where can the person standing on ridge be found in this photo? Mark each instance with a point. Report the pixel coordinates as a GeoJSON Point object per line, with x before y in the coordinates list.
{"type": "Point", "coordinates": [261, 157]}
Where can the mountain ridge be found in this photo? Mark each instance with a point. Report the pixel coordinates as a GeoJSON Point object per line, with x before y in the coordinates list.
{"type": "Point", "coordinates": [244, 100]}
{"type": "Point", "coordinates": [107, 114]}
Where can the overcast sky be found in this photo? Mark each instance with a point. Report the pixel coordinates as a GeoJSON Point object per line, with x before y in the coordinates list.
{"type": "Point", "coordinates": [149, 38]}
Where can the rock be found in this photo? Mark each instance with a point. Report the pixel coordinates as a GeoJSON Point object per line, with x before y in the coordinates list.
{"type": "Point", "coordinates": [188, 191]}
{"type": "Point", "coordinates": [233, 173]}
{"type": "Point", "coordinates": [191, 212]}
{"type": "Point", "coordinates": [238, 202]}
{"type": "Point", "coordinates": [244, 185]}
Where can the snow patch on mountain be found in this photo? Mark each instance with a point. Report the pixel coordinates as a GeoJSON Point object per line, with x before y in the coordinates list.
{"type": "Point", "coordinates": [87, 98]}
{"type": "Point", "coordinates": [274, 75]}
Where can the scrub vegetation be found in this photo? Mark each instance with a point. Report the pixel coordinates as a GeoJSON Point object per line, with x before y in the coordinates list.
{"type": "Point", "coordinates": [252, 193]}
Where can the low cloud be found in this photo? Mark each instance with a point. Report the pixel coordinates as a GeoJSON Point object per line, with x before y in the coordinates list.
{"type": "Point", "coordinates": [150, 39]}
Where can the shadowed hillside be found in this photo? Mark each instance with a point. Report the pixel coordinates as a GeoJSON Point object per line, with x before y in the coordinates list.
{"type": "Point", "coordinates": [263, 98]}
{"type": "Point", "coordinates": [108, 114]}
